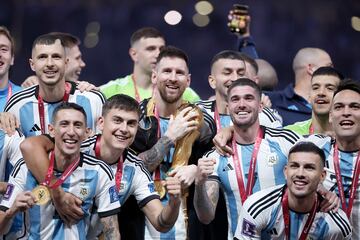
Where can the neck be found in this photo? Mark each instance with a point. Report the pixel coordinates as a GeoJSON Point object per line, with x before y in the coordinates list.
{"type": "Point", "coordinates": [63, 161]}
{"type": "Point", "coordinates": [348, 144]}
{"type": "Point", "coordinates": [321, 123]}
{"type": "Point", "coordinates": [52, 93]}
{"type": "Point", "coordinates": [4, 80]}
{"type": "Point", "coordinates": [302, 86]}
{"type": "Point", "coordinates": [221, 104]}
{"type": "Point", "coordinates": [142, 79]}
{"type": "Point", "coordinates": [166, 109]}
{"type": "Point", "coordinates": [302, 205]}
{"type": "Point", "coordinates": [108, 154]}
{"type": "Point", "coordinates": [246, 135]}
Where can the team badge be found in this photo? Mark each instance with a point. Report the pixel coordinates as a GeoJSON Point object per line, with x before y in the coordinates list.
{"type": "Point", "coordinates": [272, 159]}
{"type": "Point", "coordinates": [151, 187]}
{"type": "Point", "coordinates": [113, 194]}
{"type": "Point", "coordinates": [248, 229]}
{"type": "Point", "coordinates": [84, 192]}
{"type": "Point", "coordinates": [8, 192]}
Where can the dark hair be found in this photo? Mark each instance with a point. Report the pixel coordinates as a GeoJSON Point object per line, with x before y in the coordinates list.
{"type": "Point", "coordinates": [348, 84]}
{"type": "Point", "coordinates": [244, 82]}
{"type": "Point", "coordinates": [328, 71]}
{"type": "Point", "coordinates": [6, 32]}
{"type": "Point", "coordinates": [68, 105]}
{"type": "Point", "coordinates": [227, 54]}
{"type": "Point", "coordinates": [308, 147]}
{"type": "Point", "coordinates": [68, 40]}
{"type": "Point", "coordinates": [145, 32]}
{"type": "Point", "coordinates": [251, 61]}
{"type": "Point", "coordinates": [172, 52]}
{"type": "Point", "coordinates": [122, 102]}
{"type": "Point", "coordinates": [46, 39]}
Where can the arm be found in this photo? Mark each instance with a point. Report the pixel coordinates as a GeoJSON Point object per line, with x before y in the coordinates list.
{"type": "Point", "coordinates": [84, 86]}
{"type": "Point", "coordinates": [164, 218]}
{"type": "Point", "coordinates": [23, 202]}
{"type": "Point", "coordinates": [178, 127]}
{"type": "Point", "coordinates": [3, 186]}
{"type": "Point", "coordinates": [111, 227]}
{"type": "Point", "coordinates": [9, 123]}
{"type": "Point", "coordinates": [221, 139]}
{"type": "Point", "coordinates": [67, 205]}
{"type": "Point", "coordinates": [206, 193]}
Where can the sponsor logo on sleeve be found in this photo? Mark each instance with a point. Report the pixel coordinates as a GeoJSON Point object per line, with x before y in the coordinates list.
{"type": "Point", "coordinates": [248, 229]}
{"type": "Point", "coordinates": [113, 194]}
{"type": "Point", "coordinates": [151, 187]}
{"type": "Point", "coordinates": [8, 192]}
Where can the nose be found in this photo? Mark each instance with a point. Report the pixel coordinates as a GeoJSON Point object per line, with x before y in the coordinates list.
{"type": "Point", "coordinates": [300, 172]}
{"type": "Point", "coordinates": [82, 63]}
{"type": "Point", "coordinates": [123, 127]}
{"type": "Point", "coordinates": [50, 61]}
{"type": "Point", "coordinates": [71, 130]}
{"type": "Point", "coordinates": [347, 111]}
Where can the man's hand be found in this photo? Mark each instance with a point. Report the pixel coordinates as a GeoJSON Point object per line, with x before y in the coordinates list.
{"type": "Point", "coordinates": [3, 186]}
{"type": "Point", "coordinates": [30, 81]}
{"type": "Point", "coordinates": [67, 205]}
{"type": "Point", "coordinates": [182, 124]}
{"type": "Point", "coordinates": [330, 200]}
{"type": "Point", "coordinates": [8, 123]}
{"type": "Point", "coordinates": [173, 187]}
{"type": "Point", "coordinates": [265, 101]}
{"type": "Point", "coordinates": [23, 202]}
{"type": "Point", "coordinates": [84, 86]}
{"type": "Point", "coordinates": [221, 139]}
{"type": "Point", "coordinates": [205, 167]}
{"type": "Point", "coordinates": [186, 174]}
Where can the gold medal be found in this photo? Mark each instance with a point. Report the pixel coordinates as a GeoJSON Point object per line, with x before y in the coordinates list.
{"type": "Point", "coordinates": [42, 194]}
{"type": "Point", "coordinates": [160, 188]}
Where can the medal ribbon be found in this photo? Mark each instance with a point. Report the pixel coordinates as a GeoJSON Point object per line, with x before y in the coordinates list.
{"type": "Point", "coordinates": [244, 193]}
{"type": "Point", "coordinates": [157, 176]}
{"type": "Point", "coordinates": [119, 169]}
{"type": "Point", "coordinates": [286, 214]}
{"type": "Point", "coordinates": [41, 106]}
{"type": "Point", "coordinates": [9, 93]}
{"type": "Point", "coordinates": [217, 119]}
{"type": "Point", "coordinates": [354, 182]}
{"type": "Point", "coordinates": [311, 129]}
{"type": "Point", "coordinates": [63, 176]}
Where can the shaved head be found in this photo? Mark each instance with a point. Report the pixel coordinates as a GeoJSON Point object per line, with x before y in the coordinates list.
{"type": "Point", "coordinates": [313, 56]}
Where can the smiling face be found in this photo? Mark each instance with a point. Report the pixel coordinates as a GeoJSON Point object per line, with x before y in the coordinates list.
{"type": "Point", "coordinates": [223, 73]}
{"type": "Point", "coordinates": [6, 56]}
{"type": "Point", "coordinates": [345, 115]}
{"type": "Point", "coordinates": [119, 128]}
{"type": "Point", "coordinates": [75, 63]}
{"type": "Point", "coordinates": [322, 92]}
{"type": "Point", "coordinates": [171, 77]}
{"type": "Point", "coordinates": [49, 62]}
{"type": "Point", "coordinates": [244, 106]}
{"type": "Point", "coordinates": [303, 173]}
{"type": "Point", "coordinates": [68, 130]}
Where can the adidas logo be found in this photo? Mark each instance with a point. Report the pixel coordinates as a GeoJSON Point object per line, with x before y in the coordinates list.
{"type": "Point", "coordinates": [228, 167]}
{"type": "Point", "coordinates": [35, 128]}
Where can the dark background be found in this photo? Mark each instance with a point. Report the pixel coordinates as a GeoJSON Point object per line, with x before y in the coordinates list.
{"type": "Point", "coordinates": [279, 27]}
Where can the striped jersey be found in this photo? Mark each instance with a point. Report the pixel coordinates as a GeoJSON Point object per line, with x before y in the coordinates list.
{"type": "Point", "coordinates": [92, 181]}
{"type": "Point", "coordinates": [136, 180]}
{"type": "Point", "coordinates": [262, 218]}
{"type": "Point", "coordinates": [347, 169]}
{"type": "Point", "coordinates": [271, 159]}
{"type": "Point", "coordinates": [268, 117]}
{"type": "Point", "coordinates": [24, 105]}
{"type": "Point", "coordinates": [5, 94]}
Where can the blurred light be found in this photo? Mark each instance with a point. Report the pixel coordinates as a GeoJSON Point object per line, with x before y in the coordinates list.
{"type": "Point", "coordinates": [172, 17]}
{"type": "Point", "coordinates": [91, 40]}
{"type": "Point", "coordinates": [204, 7]}
{"type": "Point", "coordinates": [93, 27]}
{"type": "Point", "coordinates": [201, 20]}
{"type": "Point", "coordinates": [355, 23]}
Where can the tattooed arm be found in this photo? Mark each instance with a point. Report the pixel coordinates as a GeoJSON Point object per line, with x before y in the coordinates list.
{"type": "Point", "coordinates": [206, 193]}
{"type": "Point", "coordinates": [111, 227]}
{"type": "Point", "coordinates": [153, 157]}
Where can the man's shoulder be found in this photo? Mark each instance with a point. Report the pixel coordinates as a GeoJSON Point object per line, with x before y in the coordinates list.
{"type": "Point", "coordinates": [281, 133]}
{"type": "Point", "coordinates": [190, 95]}
{"type": "Point", "coordinates": [302, 128]}
{"type": "Point", "coordinates": [93, 163]}
{"type": "Point", "coordinates": [21, 97]}
{"type": "Point", "coordinates": [118, 82]}
{"type": "Point", "coordinates": [338, 224]}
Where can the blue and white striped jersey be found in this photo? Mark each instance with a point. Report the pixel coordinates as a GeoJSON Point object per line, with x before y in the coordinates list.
{"type": "Point", "coordinates": [271, 159]}
{"type": "Point", "coordinates": [268, 117]}
{"type": "Point", "coordinates": [347, 169]}
{"type": "Point", "coordinates": [262, 218]}
{"type": "Point", "coordinates": [24, 105]}
{"type": "Point", "coordinates": [92, 181]}
{"type": "Point", "coordinates": [5, 92]}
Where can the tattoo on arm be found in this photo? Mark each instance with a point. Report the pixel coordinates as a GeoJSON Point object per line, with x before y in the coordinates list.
{"type": "Point", "coordinates": [153, 157]}
{"type": "Point", "coordinates": [207, 196]}
{"type": "Point", "coordinates": [111, 227]}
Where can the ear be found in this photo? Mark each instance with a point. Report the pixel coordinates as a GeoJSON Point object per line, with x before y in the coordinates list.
{"type": "Point", "coordinates": [153, 76]}
{"type": "Point", "coordinates": [32, 64]}
{"type": "Point", "coordinates": [12, 61]}
{"type": "Point", "coordinates": [212, 81]}
{"type": "Point", "coordinates": [51, 129]}
{"type": "Point", "coordinates": [100, 123]}
{"type": "Point", "coordinates": [285, 171]}
{"type": "Point", "coordinates": [256, 79]}
{"type": "Point", "coordinates": [188, 80]}
{"type": "Point", "coordinates": [330, 117]}
{"type": "Point", "coordinates": [133, 54]}
{"type": "Point", "coordinates": [322, 176]}
{"type": "Point", "coordinates": [88, 133]}
{"type": "Point", "coordinates": [310, 69]}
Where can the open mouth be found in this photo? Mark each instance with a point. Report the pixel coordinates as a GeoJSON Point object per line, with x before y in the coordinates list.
{"type": "Point", "coordinates": [346, 123]}
{"type": "Point", "coordinates": [321, 101]}
{"type": "Point", "coordinates": [50, 73]}
{"type": "Point", "coordinates": [121, 137]}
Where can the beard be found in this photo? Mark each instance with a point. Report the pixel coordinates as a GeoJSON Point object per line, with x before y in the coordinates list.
{"type": "Point", "coordinates": [170, 98]}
